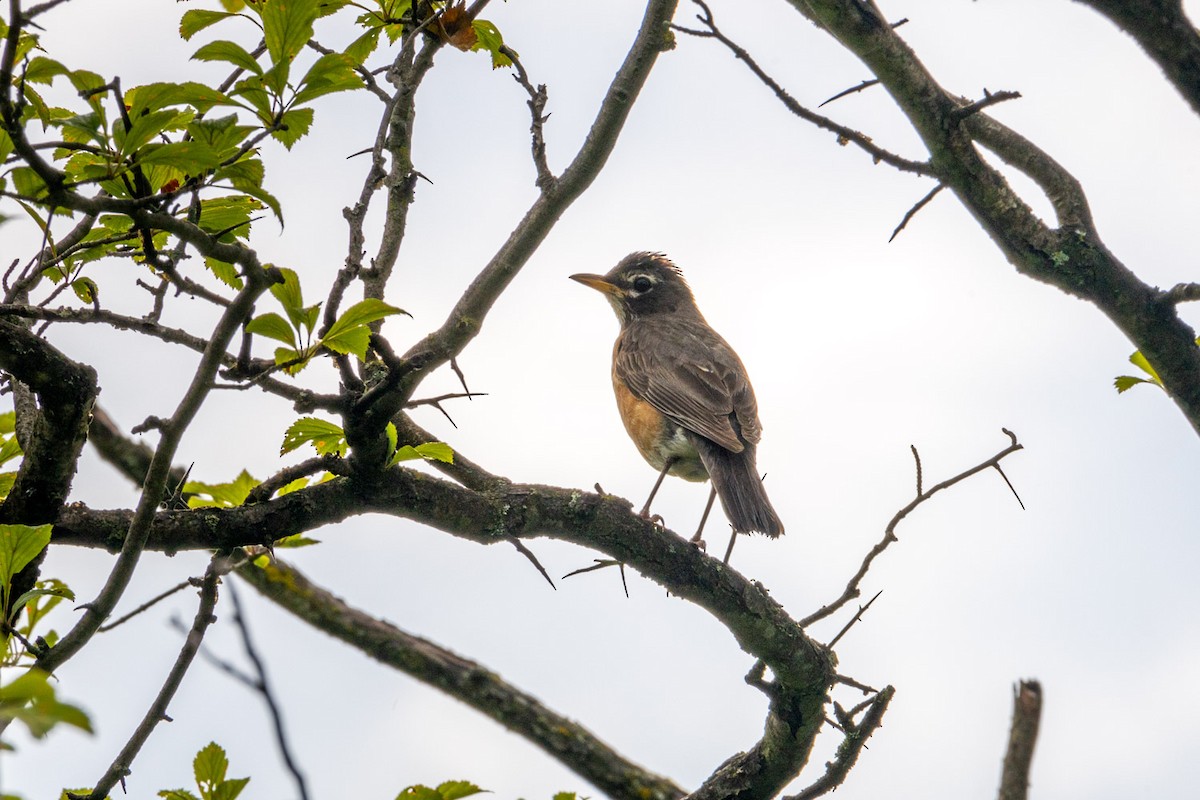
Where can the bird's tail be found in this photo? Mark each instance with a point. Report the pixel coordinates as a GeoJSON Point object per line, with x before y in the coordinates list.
{"type": "Point", "coordinates": [736, 479]}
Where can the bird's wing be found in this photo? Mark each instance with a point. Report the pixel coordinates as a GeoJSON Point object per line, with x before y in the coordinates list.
{"type": "Point", "coordinates": [692, 375]}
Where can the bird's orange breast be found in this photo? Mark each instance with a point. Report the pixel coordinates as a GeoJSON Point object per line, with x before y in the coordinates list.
{"type": "Point", "coordinates": [656, 437]}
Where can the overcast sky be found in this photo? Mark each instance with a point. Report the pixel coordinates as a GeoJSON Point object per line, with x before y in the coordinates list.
{"type": "Point", "coordinates": [857, 349]}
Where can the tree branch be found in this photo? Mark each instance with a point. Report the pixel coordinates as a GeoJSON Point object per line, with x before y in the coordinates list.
{"type": "Point", "coordinates": [853, 589]}
{"type": "Point", "coordinates": [120, 767]}
{"type": "Point", "coordinates": [564, 739]}
{"type": "Point", "coordinates": [1027, 713]}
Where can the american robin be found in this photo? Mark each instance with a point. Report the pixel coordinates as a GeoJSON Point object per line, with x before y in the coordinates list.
{"type": "Point", "coordinates": [683, 393]}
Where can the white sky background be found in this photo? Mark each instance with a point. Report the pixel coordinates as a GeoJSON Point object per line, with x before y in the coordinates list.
{"type": "Point", "coordinates": [857, 348]}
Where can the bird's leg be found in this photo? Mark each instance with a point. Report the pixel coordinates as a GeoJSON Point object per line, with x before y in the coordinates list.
{"type": "Point", "coordinates": [729, 549]}
{"type": "Point", "coordinates": [670, 462]}
{"type": "Point", "coordinates": [696, 540]}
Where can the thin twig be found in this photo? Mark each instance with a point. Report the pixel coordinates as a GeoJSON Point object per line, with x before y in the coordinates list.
{"type": "Point", "coordinates": [856, 736]}
{"type": "Point", "coordinates": [1183, 293]}
{"type": "Point", "coordinates": [912, 212]}
{"type": "Point", "coordinates": [988, 99]}
{"type": "Point", "coordinates": [850, 91]}
{"type": "Point", "coordinates": [861, 610]}
{"type": "Point", "coordinates": [149, 604]}
{"type": "Point", "coordinates": [525, 551]}
{"type": "Point", "coordinates": [852, 587]}
{"type": "Point", "coordinates": [264, 688]}
{"type": "Point", "coordinates": [845, 135]}
{"type": "Point", "coordinates": [156, 713]}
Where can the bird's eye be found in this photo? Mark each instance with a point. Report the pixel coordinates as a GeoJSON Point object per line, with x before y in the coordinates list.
{"type": "Point", "coordinates": [642, 284]}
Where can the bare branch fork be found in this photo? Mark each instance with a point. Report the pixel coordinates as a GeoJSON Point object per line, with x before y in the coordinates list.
{"type": "Point", "coordinates": [852, 589]}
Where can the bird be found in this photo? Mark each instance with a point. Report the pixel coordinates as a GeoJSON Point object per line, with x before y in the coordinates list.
{"type": "Point", "coordinates": [682, 392]}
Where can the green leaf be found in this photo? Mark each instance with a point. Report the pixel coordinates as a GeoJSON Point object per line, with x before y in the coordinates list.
{"type": "Point", "coordinates": [349, 333]}
{"type": "Point", "coordinates": [229, 52]}
{"type": "Point", "coordinates": [430, 451]}
{"type": "Point", "coordinates": [230, 789]}
{"type": "Point", "coordinates": [210, 765]}
{"type": "Point", "coordinates": [169, 794]}
{"type": "Point", "coordinates": [197, 19]}
{"type": "Point", "coordinates": [487, 37]}
{"type": "Point", "coordinates": [7, 479]}
{"type": "Point", "coordinates": [273, 326]}
{"type": "Point", "coordinates": [230, 215]}
{"type": "Point", "coordinates": [325, 436]}
{"type": "Point", "coordinates": [1139, 361]}
{"type": "Point", "coordinates": [19, 544]}
{"type": "Point", "coordinates": [30, 699]}
{"type": "Point", "coordinates": [362, 47]}
{"type": "Point", "coordinates": [220, 495]}
{"type": "Point", "coordinates": [85, 289]}
{"type": "Point", "coordinates": [223, 134]}
{"type": "Point", "coordinates": [332, 72]}
{"type": "Point", "coordinates": [226, 273]}
{"type": "Point", "coordinates": [293, 125]}
{"type": "Point", "coordinates": [1127, 382]}
{"type": "Point", "coordinates": [291, 360]}
{"type": "Point", "coordinates": [60, 592]}
{"type": "Point", "coordinates": [154, 96]}
{"type": "Point", "coordinates": [296, 540]}
{"type": "Point", "coordinates": [43, 70]}
{"type": "Point", "coordinates": [453, 790]}
{"type": "Point", "coordinates": [191, 157]}
{"type": "Point", "coordinates": [289, 294]}
{"type": "Point", "coordinates": [287, 26]}
{"type": "Point", "coordinates": [8, 422]}
{"type": "Point", "coordinates": [419, 792]}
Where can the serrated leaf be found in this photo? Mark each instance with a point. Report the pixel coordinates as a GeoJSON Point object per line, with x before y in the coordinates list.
{"type": "Point", "coordinates": [287, 27]}
{"type": "Point", "coordinates": [154, 96]}
{"type": "Point", "coordinates": [192, 157]}
{"type": "Point", "coordinates": [220, 495]}
{"type": "Point", "coordinates": [430, 451]}
{"type": "Point", "coordinates": [197, 19]}
{"type": "Point", "coordinates": [226, 273]}
{"type": "Point", "coordinates": [229, 52]}
{"type": "Point", "coordinates": [1125, 382]}
{"type": "Point", "coordinates": [274, 327]}
{"type": "Point", "coordinates": [210, 765]}
{"type": "Point", "coordinates": [326, 437]}
{"type": "Point", "coordinates": [1139, 361]}
{"type": "Point", "coordinates": [349, 333]}
{"type": "Point", "coordinates": [169, 794]}
{"type": "Point", "coordinates": [43, 70]}
{"type": "Point", "coordinates": [230, 789]}
{"type": "Point", "coordinates": [291, 360]}
{"type": "Point", "coordinates": [332, 72]}
{"type": "Point", "coordinates": [487, 37]}
{"type": "Point", "coordinates": [293, 125]}
{"type": "Point", "coordinates": [230, 215]}
{"type": "Point", "coordinates": [222, 134]}
{"type": "Point", "coordinates": [362, 47]}
{"type": "Point", "coordinates": [419, 792]}
{"type": "Point", "coordinates": [453, 790]}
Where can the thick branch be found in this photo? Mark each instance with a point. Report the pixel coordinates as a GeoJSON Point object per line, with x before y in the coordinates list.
{"type": "Point", "coordinates": [1166, 34]}
{"type": "Point", "coordinates": [1027, 714]}
{"type": "Point", "coordinates": [465, 680]}
{"type": "Point", "coordinates": [1071, 257]}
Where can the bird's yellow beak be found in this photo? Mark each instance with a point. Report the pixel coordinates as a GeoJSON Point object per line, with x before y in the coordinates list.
{"type": "Point", "coordinates": [597, 282]}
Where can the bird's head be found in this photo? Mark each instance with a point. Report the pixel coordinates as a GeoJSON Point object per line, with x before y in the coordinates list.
{"type": "Point", "coordinates": [643, 284]}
